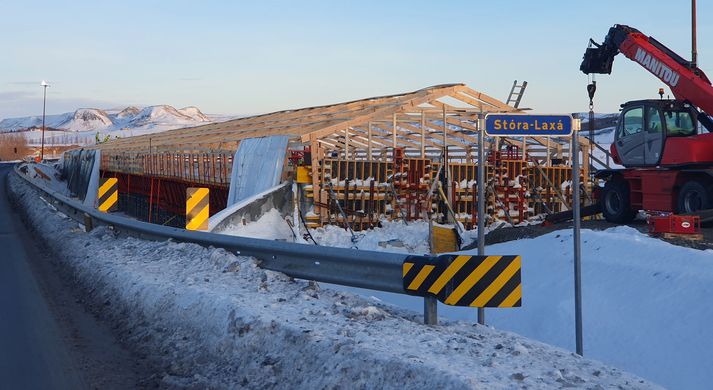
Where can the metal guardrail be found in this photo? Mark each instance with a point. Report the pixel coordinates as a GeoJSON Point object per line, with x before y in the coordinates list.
{"type": "Point", "coordinates": [372, 270]}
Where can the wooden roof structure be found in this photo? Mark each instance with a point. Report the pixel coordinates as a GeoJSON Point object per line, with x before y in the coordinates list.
{"type": "Point", "coordinates": [413, 121]}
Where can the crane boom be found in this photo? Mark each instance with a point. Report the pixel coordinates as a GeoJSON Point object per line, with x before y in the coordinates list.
{"type": "Point", "coordinates": [686, 80]}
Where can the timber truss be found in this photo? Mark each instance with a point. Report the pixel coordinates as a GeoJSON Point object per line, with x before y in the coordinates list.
{"type": "Point", "coordinates": [420, 122]}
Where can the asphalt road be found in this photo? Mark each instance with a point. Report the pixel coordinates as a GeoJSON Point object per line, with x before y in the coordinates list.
{"type": "Point", "coordinates": [33, 354]}
{"type": "Point", "coordinates": [48, 338]}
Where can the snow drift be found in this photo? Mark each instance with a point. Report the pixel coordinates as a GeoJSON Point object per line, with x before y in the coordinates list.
{"type": "Point", "coordinates": [644, 300]}
{"type": "Point", "coordinates": [212, 319]}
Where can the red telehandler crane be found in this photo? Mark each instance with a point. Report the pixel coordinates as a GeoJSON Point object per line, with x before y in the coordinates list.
{"type": "Point", "coordinates": [668, 157]}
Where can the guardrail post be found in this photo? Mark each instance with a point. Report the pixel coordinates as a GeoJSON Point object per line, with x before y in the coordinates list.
{"type": "Point", "coordinates": [430, 310]}
{"type": "Point", "coordinates": [88, 223]}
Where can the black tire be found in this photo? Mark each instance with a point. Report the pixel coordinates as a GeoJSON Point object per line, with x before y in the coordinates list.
{"type": "Point", "coordinates": [693, 196]}
{"type": "Point", "coordinates": [615, 203]}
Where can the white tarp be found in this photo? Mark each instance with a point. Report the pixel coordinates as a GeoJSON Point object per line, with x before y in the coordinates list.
{"type": "Point", "coordinates": [257, 166]}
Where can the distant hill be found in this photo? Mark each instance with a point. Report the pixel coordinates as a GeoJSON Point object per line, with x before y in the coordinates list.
{"type": "Point", "coordinates": [161, 117]}
{"type": "Point", "coordinates": [604, 125]}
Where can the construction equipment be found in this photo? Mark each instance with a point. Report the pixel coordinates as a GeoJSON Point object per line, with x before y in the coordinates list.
{"type": "Point", "coordinates": [676, 226]}
{"type": "Point", "coordinates": [668, 159]}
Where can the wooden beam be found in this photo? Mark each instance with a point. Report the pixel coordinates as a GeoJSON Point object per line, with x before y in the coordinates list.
{"type": "Point", "coordinates": [369, 154]}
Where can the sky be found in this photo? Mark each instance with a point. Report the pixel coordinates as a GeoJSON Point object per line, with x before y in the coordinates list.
{"type": "Point", "coordinates": [240, 58]}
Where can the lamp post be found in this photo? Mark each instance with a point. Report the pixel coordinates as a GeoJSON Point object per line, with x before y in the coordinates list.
{"type": "Point", "coordinates": [44, 85]}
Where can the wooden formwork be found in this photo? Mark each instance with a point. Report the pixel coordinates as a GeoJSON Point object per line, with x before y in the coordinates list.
{"type": "Point", "coordinates": [549, 185]}
{"type": "Point", "coordinates": [369, 191]}
{"type": "Point", "coordinates": [204, 168]}
{"type": "Point", "coordinates": [360, 187]}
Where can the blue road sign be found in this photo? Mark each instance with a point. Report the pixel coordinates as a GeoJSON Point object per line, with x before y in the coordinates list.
{"type": "Point", "coordinates": [530, 125]}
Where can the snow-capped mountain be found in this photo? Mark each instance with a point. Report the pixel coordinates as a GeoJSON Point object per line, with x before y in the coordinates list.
{"type": "Point", "coordinates": [160, 117]}
{"type": "Point", "coordinates": [128, 112]}
{"type": "Point", "coordinates": [86, 119]}
{"type": "Point", "coordinates": [194, 113]}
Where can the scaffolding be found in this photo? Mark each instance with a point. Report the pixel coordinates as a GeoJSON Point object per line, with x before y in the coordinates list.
{"type": "Point", "coordinates": [374, 158]}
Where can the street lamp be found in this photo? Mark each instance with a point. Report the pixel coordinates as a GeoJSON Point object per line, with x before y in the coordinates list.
{"type": "Point", "coordinates": [44, 84]}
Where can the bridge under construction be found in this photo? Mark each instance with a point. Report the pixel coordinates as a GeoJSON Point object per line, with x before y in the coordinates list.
{"type": "Point", "coordinates": [356, 162]}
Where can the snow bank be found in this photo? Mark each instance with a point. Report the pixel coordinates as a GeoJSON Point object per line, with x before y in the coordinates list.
{"type": "Point", "coordinates": [270, 226]}
{"type": "Point", "coordinates": [392, 236]}
{"type": "Point", "coordinates": [645, 302]}
{"type": "Point", "coordinates": [215, 320]}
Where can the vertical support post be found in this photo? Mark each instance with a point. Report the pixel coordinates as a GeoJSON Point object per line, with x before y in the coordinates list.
{"type": "Point", "coordinates": [430, 304]}
{"type": "Point", "coordinates": [694, 51]}
{"type": "Point", "coordinates": [88, 223]}
{"type": "Point", "coordinates": [316, 188]}
{"type": "Point", "coordinates": [481, 199]}
{"type": "Point", "coordinates": [576, 238]}
{"type": "Point", "coordinates": [446, 170]}
{"type": "Point", "coordinates": [548, 151]}
{"type": "Point", "coordinates": [151, 199]}
{"type": "Point", "coordinates": [423, 134]}
{"type": "Point", "coordinates": [430, 310]}
{"type": "Point", "coordinates": [346, 144]}
{"type": "Point", "coordinates": [393, 135]}
{"type": "Point", "coordinates": [369, 150]}
{"type": "Point", "coordinates": [44, 105]}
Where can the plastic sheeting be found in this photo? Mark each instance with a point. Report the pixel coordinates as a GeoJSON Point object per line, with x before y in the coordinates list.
{"type": "Point", "coordinates": [257, 166]}
{"type": "Point", "coordinates": [93, 184]}
{"type": "Point", "coordinates": [77, 170]}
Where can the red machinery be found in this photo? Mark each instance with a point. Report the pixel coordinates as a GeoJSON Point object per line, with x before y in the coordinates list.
{"type": "Point", "coordinates": [669, 162]}
{"type": "Point", "coordinates": [679, 225]}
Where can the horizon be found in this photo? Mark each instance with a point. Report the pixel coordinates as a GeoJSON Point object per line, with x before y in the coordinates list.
{"type": "Point", "coordinates": [250, 59]}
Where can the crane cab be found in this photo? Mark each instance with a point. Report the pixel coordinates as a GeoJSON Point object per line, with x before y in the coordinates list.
{"type": "Point", "coordinates": [663, 132]}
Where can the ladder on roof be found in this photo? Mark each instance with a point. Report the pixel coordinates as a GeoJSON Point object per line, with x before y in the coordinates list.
{"type": "Point", "coordinates": [516, 93]}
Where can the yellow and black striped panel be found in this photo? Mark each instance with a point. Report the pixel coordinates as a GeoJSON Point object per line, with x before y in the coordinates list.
{"type": "Point", "coordinates": [197, 208]}
{"type": "Point", "coordinates": [108, 195]}
{"type": "Point", "coordinates": [475, 281]}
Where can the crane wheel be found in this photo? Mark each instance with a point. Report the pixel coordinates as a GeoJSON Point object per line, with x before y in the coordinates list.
{"type": "Point", "coordinates": [693, 197]}
{"type": "Point", "coordinates": [615, 204]}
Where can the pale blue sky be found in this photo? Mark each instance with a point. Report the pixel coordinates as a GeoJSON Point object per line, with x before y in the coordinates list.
{"type": "Point", "coordinates": [235, 57]}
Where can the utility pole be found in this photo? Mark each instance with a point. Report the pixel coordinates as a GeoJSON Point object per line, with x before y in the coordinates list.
{"type": "Point", "coordinates": [694, 52]}
{"type": "Point", "coordinates": [44, 84]}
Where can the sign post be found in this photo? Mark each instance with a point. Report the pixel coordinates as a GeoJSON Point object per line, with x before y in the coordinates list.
{"type": "Point", "coordinates": [481, 197]}
{"type": "Point", "coordinates": [514, 125]}
{"type": "Point", "coordinates": [576, 238]}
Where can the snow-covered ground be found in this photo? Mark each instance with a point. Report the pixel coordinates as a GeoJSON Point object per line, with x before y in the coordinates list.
{"type": "Point", "coordinates": [644, 299]}
{"type": "Point", "coordinates": [271, 226]}
{"type": "Point", "coordinates": [212, 319]}
{"type": "Point", "coordinates": [392, 236]}
{"type": "Point", "coordinates": [645, 302]}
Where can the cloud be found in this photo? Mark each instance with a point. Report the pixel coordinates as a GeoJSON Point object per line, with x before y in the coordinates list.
{"type": "Point", "coordinates": [190, 79]}
{"type": "Point", "coordinates": [12, 96]}
{"type": "Point", "coordinates": [37, 83]}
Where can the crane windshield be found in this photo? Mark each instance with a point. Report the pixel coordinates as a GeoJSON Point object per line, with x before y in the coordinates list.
{"type": "Point", "coordinates": [680, 123]}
